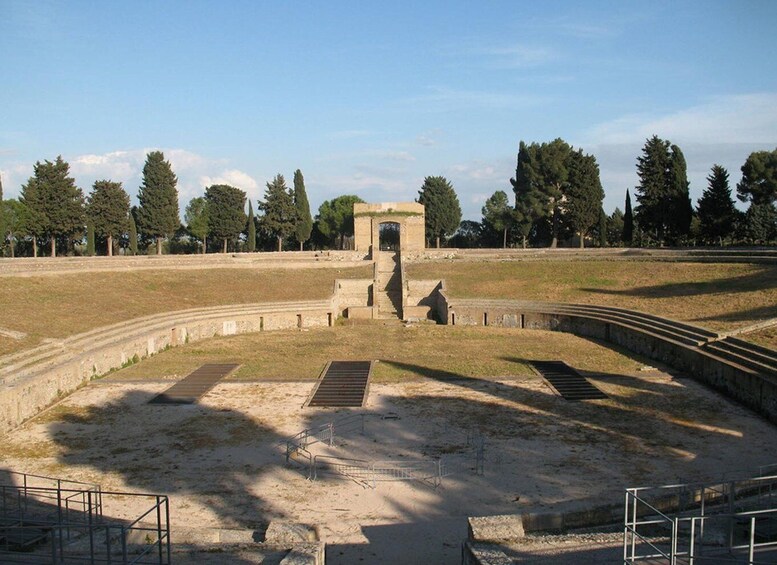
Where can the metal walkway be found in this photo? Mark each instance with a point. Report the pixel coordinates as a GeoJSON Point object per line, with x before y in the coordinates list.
{"type": "Point", "coordinates": [570, 384]}
{"type": "Point", "coordinates": [343, 384]}
{"type": "Point", "coordinates": [190, 388]}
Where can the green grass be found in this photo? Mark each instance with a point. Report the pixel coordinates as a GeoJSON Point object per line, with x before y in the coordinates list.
{"type": "Point", "coordinates": [403, 353]}
{"type": "Point", "coordinates": [717, 296]}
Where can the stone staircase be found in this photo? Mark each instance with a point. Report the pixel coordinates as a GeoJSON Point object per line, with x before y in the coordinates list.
{"type": "Point", "coordinates": [388, 286]}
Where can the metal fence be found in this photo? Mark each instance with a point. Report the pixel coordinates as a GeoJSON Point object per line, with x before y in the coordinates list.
{"type": "Point", "coordinates": [727, 522]}
{"type": "Point", "coordinates": [370, 472]}
{"type": "Point", "coordinates": [67, 524]}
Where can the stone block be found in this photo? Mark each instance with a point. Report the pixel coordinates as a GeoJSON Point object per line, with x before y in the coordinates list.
{"type": "Point", "coordinates": [496, 528]}
{"type": "Point", "coordinates": [290, 533]}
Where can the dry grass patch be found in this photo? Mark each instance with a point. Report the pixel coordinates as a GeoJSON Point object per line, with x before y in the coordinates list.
{"type": "Point", "coordinates": [404, 353]}
{"type": "Point", "coordinates": [716, 295]}
{"type": "Point", "coordinates": [68, 304]}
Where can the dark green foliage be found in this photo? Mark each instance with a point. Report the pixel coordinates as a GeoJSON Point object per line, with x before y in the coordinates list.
{"type": "Point", "coordinates": [304, 225]}
{"type": "Point", "coordinates": [196, 218]}
{"type": "Point", "coordinates": [16, 216]}
{"type": "Point", "coordinates": [615, 227]}
{"type": "Point", "coordinates": [226, 212]}
{"type": "Point", "coordinates": [157, 215]}
{"type": "Point", "coordinates": [469, 235]}
{"type": "Point", "coordinates": [442, 209]}
{"type": "Point", "coordinates": [251, 231]}
{"type": "Point", "coordinates": [280, 216]}
{"type": "Point", "coordinates": [602, 229]}
{"type": "Point", "coordinates": [497, 217]}
{"type": "Point", "coordinates": [759, 178]}
{"type": "Point", "coordinates": [335, 219]}
{"type": "Point", "coordinates": [108, 210]}
{"type": "Point", "coordinates": [584, 193]}
{"type": "Point", "coordinates": [528, 198]}
{"type": "Point", "coordinates": [761, 223]}
{"type": "Point", "coordinates": [89, 238]}
{"type": "Point", "coordinates": [716, 210]}
{"type": "Point", "coordinates": [55, 203]}
{"type": "Point", "coordinates": [628, 221]}
{"type": "Point", "coordinates": [133, 233]}
{"type": "Point", "coordinates": [664, 211]}
{"type": "Point", "coordinates": [547, 172]}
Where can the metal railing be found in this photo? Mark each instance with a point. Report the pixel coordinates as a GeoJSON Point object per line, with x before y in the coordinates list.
{"type": "Point", "coordinates": [55, 524]}
{"type": "Point", "coordinates": [728, 522]}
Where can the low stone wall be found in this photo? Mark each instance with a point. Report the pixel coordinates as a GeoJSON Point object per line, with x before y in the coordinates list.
{"type": "Point", "coordinates": [33, 380]}
{"type": "Point", "coordinates": [672, 343]}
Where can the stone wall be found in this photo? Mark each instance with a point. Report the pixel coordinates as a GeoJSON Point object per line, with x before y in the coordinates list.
{"type": "Point", "coordinates": [368, 217]}
{"type": "Point", "coordinates": [676, 344]}
{"type": "Point", "coordinates": [34, 379]}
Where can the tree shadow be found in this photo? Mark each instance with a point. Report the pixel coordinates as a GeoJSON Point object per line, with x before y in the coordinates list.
{"type": "Point", "coordinates": [173, 450]}
{"type": "Point", "coordinates": [760, 313]}
{"type": "Point", "coordinates": [763, 279]}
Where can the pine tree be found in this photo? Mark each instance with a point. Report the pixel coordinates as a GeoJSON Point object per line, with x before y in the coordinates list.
{"type": "Point", "coordinates": [761, 223]}
{"type": "Point", "coordinates": [251, 235]}
{"type": "Point", "coordinates": [584, 193]}
{"type": "Point", "coordinates": [664, 208]}
{"type": "Point", "coordinates": [196, 218]}
{"type": "Point", "coordinates": [498, 215]}
{"type": "Point", "coordinates": [280, 216]}
{"type": "Point", "coordinates": [335, 219]}
{"type": "Point", "coordinates": [55, 203]}
{"type": "Point", "coordinates": [158, 199]}
{"type": "Point", "coordinates": [442, 209]}
{"type": "Point", "coordinates": [108, 209]}
{"type": "Point", "coordinates": [716, 210]}
{"type": "Point", "coordinates": [759, 178]}
{"type": "Point", "coordinates": [615, 227]}
{"type": "Point", "coordinates": [133, 233]}
{"type": "Point", "coordinates": [304, 225]}
{"type": "Point", "coordinates": [226, 212]}
{"type": "Point", "coordinates": [16, 220]}
{"type": "Point", "coordinates": [628, 222]}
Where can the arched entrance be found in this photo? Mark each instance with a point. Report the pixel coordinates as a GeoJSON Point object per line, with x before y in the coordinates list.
{"type": "Point", "coordinates": [388, 236]}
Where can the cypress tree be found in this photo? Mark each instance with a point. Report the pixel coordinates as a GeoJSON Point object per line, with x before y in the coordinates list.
{"type": "Point", "coordinates": [279, 212]}
{"type": "Point", "coordinates": [442, 209]}
{"type": "Point", "coordinates": [251, 236]}
{"type": "Point", "coordinates": [108, 207]}
{"type": "Point", "coordinates": [716, 210]}
{"type": "Point", "coordinates": [133, 234]}
{"type": "Point", "coordinates": [90, 238]}
{"type": "Point", "coordinates": [226, 216]}
{"type": "Point", "coordinates": [584, 193]}
{"type": "Point", "coordinates": [304, 225]}
{"type": "Point", "coordinates": [158, 199]}
{"type": "Point", "coordinates": [628, 221]}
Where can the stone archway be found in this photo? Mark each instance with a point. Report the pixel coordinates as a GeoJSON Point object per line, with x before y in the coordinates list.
{"type": "Point", "coordinates": [407, 216]}
{"type": "Point", "coordinates": [389, 236]}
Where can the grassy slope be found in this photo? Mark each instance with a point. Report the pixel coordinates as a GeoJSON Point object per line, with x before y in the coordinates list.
{"type": "Point", "coordinates": [404, 352]}
{"type": "Point", "coordinates": [63, 305]}
{"type": "Point", "coordinates": [717, 296]}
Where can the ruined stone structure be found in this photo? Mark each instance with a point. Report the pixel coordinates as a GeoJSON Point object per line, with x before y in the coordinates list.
{"type": "Point", "coordinates": [371, 221]}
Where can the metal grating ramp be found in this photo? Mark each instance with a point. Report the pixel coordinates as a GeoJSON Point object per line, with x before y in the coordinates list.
{"type": "Point", "coordinates": [343, 384]}
{"type": "Point", "coordinates": [570, 384]}
{"type": "Point", "coordinates": [193, 386]}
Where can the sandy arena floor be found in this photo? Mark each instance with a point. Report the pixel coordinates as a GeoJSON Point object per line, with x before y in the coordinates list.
{"type": "Point", "coordinates": [221, 463]}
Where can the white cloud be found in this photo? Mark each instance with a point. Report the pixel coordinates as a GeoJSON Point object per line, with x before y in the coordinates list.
{"type": "Point", "coordinates": [233, 177]}
{"type": "Point", "coordinates": [723, 130]}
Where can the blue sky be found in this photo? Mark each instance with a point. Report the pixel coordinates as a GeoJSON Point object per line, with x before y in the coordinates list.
{"type": "Point", "coordinates": [368, 98]}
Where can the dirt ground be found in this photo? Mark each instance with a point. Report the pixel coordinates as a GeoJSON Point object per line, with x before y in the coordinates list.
{"type": "Point", "coordinates": [222, 460]}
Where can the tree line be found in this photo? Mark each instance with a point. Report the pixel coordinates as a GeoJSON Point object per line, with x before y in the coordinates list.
{"type": "Point", "coordinates": [557, 200]}
{"type": "Point", "coordinates": [558, 197]}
